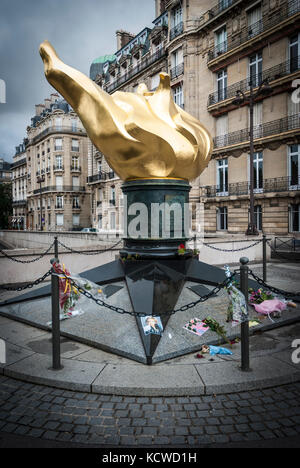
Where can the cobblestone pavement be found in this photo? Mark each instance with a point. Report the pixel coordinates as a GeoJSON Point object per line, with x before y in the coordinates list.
{"type": "Point", "coordinates": [63, 416]}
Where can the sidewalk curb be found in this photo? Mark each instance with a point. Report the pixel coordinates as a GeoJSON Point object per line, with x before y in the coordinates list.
{"type": "Point", "coordinates": [160, 380]}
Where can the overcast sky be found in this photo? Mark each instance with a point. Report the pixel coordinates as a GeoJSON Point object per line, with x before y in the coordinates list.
{"type": "Point", "coordinates": [80, 31]}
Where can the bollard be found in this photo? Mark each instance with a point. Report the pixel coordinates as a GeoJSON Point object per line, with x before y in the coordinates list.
{"type": "Point", "coordinates": [56, 361]}
{"type": "Point", "coordinates": [264, 258]}
{"type": "Point", "coordinates": [56, 248]}
{"type": "Point", "coordinates": [244, 273]}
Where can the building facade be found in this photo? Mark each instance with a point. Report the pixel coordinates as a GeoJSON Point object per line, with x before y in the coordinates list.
{"type": "Point", "coordinates": [56, 155]}
{"type": "Point", "coordinates": [5, 172]}
{"type": "Point", "coordinates": [19, 188]}
{"type": "Point", "coordinates": [211, 52]}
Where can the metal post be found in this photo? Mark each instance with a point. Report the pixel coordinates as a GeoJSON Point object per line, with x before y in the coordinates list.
{"type": "Point", "coordinates": [264, 258]}
{"type": "Point", "coordinates": [245, 359]}
{"type": "Point", "coordinates": [55, 247]}
{"type": "Point", "coordinates": [56, 361]}
{"type": "Point", "coordinates": [252, 230]}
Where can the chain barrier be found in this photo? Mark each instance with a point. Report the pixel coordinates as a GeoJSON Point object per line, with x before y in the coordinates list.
{"type": "Point", "coordinates": [122, 311]}
{"type": "Point", "coordinates": [233, 250]}
{"type": "Point", "coordinates": [28, 286]}
{"type": "Point", "coordinates": [94, 252]}
{"type": "Point", "coordinates": [28, 261]}
{"type": "Point", "coordinates": [272, 288]}
{"type": "Point", "coordinates": [277, 253]}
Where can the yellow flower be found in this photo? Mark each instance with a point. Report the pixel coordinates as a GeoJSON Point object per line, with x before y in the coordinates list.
{"type": "Point", "coordinates": [100, 291]}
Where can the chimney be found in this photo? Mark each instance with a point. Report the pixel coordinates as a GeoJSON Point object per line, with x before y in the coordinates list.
{"type": "Point", "coordinates": [123, 37]}
{"type": "Point", "coordinates": [47, 103]}
{"type": "Point", "coordinates": [54, 97]}
{"type": "Point", "coordinates": [39, 109]}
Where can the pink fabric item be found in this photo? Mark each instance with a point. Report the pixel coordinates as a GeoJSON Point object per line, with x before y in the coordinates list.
{"type": "Point", "coordinates": [267, 307]}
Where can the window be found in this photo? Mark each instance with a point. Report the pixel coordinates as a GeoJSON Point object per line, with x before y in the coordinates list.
{"type": "Point", "coordinates": [294, 167]}
{"type": "Point", "coordinates": [58, 161]}
{"type": "Point", "coordinates": [58, 144]}
{"type": "Point", "coordinates": [222, 130]}
{"type": "Point", "coordinates": [75, 183]}
{"type": "Point", "coordinates": [100, 223]}
{"type": "Point", "coordinates": [75, 145]}
{"type": "Point", "coordinates": [257, 119]}
{"type": "Point", "coordinates": [255, 23]}
{"type": "Point", "coordinates": [58, 123]}
{"type": "Point", "coordinates": [255, 69]}
{"type": "Point", "coordinates": [294, 215]}
{"type": "Point", "coordinates": [99, 167]}
{"type": "Point", "coordinates": [75, 162]}
{"type": "Point", "coordinates": [59, 220]}
{"type": "Point", "coordinates": [221, 41]}
{"type": "Point", "coordinates": [258, 167]}
{"type": "Point", "coordinates": [76, 219]}
{"type": "Point", "coordinates": [222, 219]}
{"type": "Point", "coordinates": [258, 217]}
{"type": "Point", "coordinates": [222, 85]}
{"type": "Point", "coordinates": [222, 177]}
{"type": "Point", "coordinates": [178, 95]}
{"type": "Point", "coordinates": [177, 62]}
{"type": "Point", "coordinates": [59, 182]}
{"type": "Point", "coordinates": [74, 124]}
{"type": "Point", "coordinates": [75, 203]}
{"type": "Point", "coordinates": [294, 52]}
{"type": "Point", "coordinates": [223, 4]}
{"type": "Point", "coordinates": [112, 220]}
{"type": "Point", "coordinates": [155, 79]}
{"type": "Point", "coordinates": [59, 201]}
{"type": "Point", "coordinates": [176, 18]}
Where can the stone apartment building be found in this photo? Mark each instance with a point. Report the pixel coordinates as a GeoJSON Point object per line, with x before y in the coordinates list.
{"type": "Point", "coordinates": [56, 159]}
{"type": "Point", "coordinates": [211, 52]}
{"type": "Point", "coordinates": [5, 171]}
{"type": "Point", "coordinates": [19, 187]}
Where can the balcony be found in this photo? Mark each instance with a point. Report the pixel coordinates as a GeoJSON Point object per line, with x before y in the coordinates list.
{"type": "Point", "coordinates": [59, 207]}
{"type": "Point", "coordinates": [19, 203]}
{"type": "Point", "coordinates": [18, 163]}
{"type": "Point", "coordinates": [100, 177]}
{"type": "Point", "coordinates": [275, 73]}
{"type": "Point", "coordinates": [75, 168]}
{"type": "Point", "coordinates": [176, 31]}
{"type": "Point", "coordinates": [145, 63]}
{"type": "Point", "coordinates": [58, 167]}
{"type": "Point", "coordinates": [279, 184]}
{"type": "Point", "coordinates": [275, 127]}
{"type": "Point", "coordinates": [268, 22]}
{"type": "Point", "coordinates": [59, 188]}
{"type": "Point", "coordinates": [75, 149]}
{"type": "Point", "coordinates": [56, 130]}
{"type": "Point", "coordinates": [177, 71]}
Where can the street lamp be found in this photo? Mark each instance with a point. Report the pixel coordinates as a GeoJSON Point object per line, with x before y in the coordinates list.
{"type": "Point", "coordinates": [240, 99]}
{"type": "Point", "coordinates": [41, 179]}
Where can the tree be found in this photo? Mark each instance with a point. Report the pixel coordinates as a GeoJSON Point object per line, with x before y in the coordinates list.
{"type": "Point", "coordinates": [5, 204]}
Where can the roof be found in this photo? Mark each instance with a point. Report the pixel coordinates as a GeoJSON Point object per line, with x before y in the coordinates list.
{"type": "Point", "coordinates": [104, 58]}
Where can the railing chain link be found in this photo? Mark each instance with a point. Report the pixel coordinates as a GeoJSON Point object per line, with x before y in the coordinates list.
{"type": "Point", "coordinates": [122, 311]}
{"type": "Point", "coordinates": [27, 261]}
{"type": "Point", "coordinates": [261, 282]}
{"type": "Point", "coordinates": [94, 252]}
{"type": "Point", "coordinates": [27, 286]}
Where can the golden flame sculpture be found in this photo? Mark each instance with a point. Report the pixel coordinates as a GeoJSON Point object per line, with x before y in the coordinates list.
{"type": "Point", "coordinates": [142, 134]}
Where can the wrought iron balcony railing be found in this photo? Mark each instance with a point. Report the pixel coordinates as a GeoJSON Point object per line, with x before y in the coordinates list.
{"type": "Point", "coordinates": [145, 63]}
{"type": "Point", "coordinates": [59, 188]}
{"type": "Point", "coordinates": [18, 163]}
{"type": "Point", "coordinates": [75, 168]}
{"type": "Point", "coordinates": [177, 71]}
{"type": "Point", "coordinates": [58, 167]}
{"type": "Point", "coordinates": [101, 176]}
{"type": "Point", "coordinates": [58, 130]}
{"type": "Point", "coordinates": [261, 131]}
{"type": "Point", "coordinates": [269, 21]}
{"type": "Point", "coordinates": [272, 74]}
{"type": "Point", "coordinates": [279, 184]}
{"type": "Point", "coordinates": [19, 202]}
{"type": "Point", "coordinates": [176, 31]}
